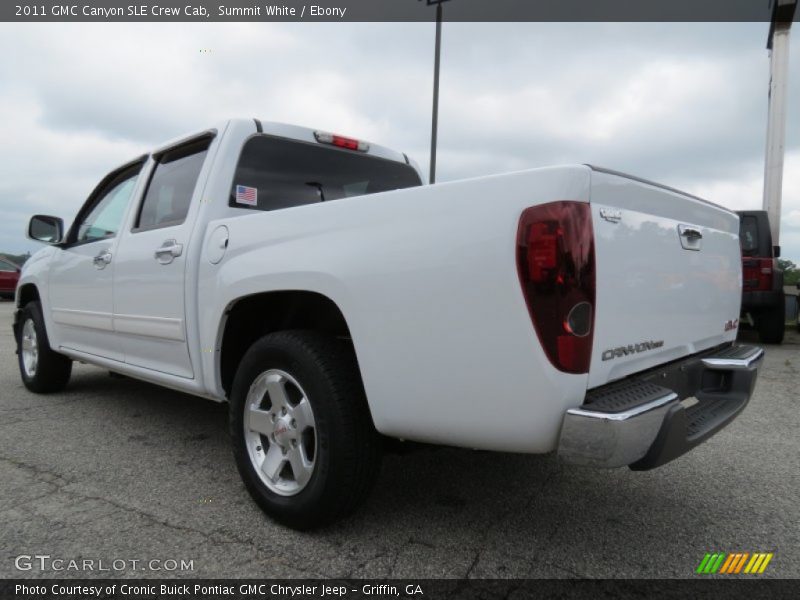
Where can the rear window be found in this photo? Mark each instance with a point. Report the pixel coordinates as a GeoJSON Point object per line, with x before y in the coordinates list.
{"type": "Point", "coordinates": [748, 234]}
{"type": "Point", "coordinates": [275, 173]}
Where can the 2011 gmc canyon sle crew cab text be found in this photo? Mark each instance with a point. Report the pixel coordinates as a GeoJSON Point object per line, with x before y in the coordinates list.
{"type": "Point", "coordinates": [311, 281]}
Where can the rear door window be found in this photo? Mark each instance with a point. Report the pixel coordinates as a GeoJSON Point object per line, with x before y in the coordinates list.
{"type": "Point", "coordinates": [169, 192]}
{"type": "Point", "coordinates": [275, 173]}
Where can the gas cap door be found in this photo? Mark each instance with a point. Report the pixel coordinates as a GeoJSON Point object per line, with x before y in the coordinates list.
{"type": "Point", "coordinates": [217, 244]}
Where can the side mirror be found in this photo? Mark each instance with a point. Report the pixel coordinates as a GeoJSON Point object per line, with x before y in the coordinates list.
{"type": "Point", "coordinates": [776, 251]}
{"type": "Point", "coordinates": [47, 229]}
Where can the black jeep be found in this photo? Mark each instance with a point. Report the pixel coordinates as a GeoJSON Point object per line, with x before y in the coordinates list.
{"type": "Point", "coordinates": [762, 280]}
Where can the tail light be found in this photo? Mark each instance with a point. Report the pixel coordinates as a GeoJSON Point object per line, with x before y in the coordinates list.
{"type": "Point", "coordinates": [757, 273]}
{"type": "Point", "coordinates": [341, 141]}
{"type": "Point", "coordinates": [555, 260]}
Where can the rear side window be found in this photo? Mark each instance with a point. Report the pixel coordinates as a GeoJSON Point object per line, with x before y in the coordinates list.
{"type": "Point", "coordinates": [275, 173]}
{"type": "Point", "coordinates": [748, 234]}
{"type": "Point", "coordinates": [169, 193]}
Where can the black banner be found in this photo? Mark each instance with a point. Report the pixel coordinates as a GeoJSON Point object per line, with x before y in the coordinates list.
{"type": "Point", "coordinates": [358, 589]}
{"type": "Point", "coordinates": [392, 10]}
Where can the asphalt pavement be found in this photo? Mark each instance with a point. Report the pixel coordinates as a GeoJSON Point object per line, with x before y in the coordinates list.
{"type": "Point", "coordinates": [118, 470]}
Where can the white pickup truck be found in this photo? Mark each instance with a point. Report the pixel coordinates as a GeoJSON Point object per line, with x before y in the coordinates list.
{"type": "Point", "coordinates": [312, 282]}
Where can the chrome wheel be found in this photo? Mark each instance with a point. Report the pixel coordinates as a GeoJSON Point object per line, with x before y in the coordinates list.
{"type": "Point", "coordinates": [29, 348]}
{"type": "Point", "coordinates": [280, 432]}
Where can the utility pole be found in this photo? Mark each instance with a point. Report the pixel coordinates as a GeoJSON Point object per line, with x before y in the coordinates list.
{"type": "Point", "coordinates": [435, 115]}
{"type": "Point", "coordinates": [778, 45]}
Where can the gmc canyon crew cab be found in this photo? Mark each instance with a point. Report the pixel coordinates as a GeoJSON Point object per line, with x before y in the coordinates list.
{"type": "Point", "coordinates": [312, 282]}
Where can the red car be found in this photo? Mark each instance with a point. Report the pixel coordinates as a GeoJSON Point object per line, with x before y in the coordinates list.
{"type": "Point", "coordinates": [9, 276]}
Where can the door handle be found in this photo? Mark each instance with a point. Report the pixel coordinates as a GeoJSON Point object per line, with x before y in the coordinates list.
{"type": "Point", "coordinates": [168, 251]}
{"type": "Point", "coordinates": [690, 237]}
{"type": "Point", "coordinates": [102, 260]}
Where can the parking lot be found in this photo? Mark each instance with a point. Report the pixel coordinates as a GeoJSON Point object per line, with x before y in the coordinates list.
{"type": "Point", "coordinates": [115, 469]}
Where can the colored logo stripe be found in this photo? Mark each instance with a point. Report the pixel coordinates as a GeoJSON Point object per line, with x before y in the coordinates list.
{"type": "Point", "coordinates": [728, 564]}
{"type": "Point", "coordinates": [734, 563]}
{"type": "Point", "coordinates": [758, 563]}
{"type": "Point", "coordinates": [711, 562]}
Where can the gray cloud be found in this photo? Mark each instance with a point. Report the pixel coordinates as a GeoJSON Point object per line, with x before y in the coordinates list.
{"type": "Point", "coordinates": [680, 103]}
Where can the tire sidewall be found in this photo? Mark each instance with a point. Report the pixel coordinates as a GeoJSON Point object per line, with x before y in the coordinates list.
{"type": "Point", "coordinates": [31, 312]}
{"type": "Point", "coordinates": [771, 324]}
{"type": "Point", "coordinates": [263, 356]}
{"type": "Point", "coordinates": [52, 369]}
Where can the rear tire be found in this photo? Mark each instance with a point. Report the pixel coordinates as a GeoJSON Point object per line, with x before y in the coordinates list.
{"type": "Point", "coordinates": [43, 371]}
{"type": "Point", "coordinates": [772, 324]}
{"type": "Point", "coordinates": [303, 437]}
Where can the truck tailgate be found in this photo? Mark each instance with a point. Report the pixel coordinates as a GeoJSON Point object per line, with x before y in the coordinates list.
{"type": "Point", "coordinates": [668, 275]}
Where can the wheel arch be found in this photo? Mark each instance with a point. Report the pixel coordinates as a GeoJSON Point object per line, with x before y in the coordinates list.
{"type": "Point", "coordinates": [250, 317]}
{"type": "Point", "coordinates": [27, 292]}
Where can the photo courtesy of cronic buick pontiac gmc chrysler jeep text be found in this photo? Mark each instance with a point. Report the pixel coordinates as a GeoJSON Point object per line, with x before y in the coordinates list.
{"type": "Point", "coordinates": [312, 282]}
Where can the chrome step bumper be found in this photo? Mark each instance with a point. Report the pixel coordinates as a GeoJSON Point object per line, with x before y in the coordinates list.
{"type": "Point", "coordinates": [652, 418]}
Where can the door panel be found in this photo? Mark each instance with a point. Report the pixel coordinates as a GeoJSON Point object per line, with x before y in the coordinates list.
{"type": "Point", "coordinates": [81, 299]}
{"type": "Point", "coordinates": [149, 303]}
{"type": "Point", "coordinates": [82, 271]}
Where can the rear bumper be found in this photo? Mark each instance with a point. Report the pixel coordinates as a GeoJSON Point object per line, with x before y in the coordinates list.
{"type": "Point", "coordinates": [650, 419]}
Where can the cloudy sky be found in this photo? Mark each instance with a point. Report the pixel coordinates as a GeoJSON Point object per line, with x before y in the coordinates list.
{"type": "Point", "coordinates": [683, 104]}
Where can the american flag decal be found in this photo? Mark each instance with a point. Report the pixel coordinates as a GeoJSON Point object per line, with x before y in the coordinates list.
{"type": "Point", "coordinates": [246, 195]}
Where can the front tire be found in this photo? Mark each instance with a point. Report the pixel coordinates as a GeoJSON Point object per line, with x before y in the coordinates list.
{"type": "Point", "coordinates": [43, 371]}
{"type": "Point", "coordinates": [303, 438]}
